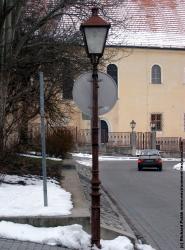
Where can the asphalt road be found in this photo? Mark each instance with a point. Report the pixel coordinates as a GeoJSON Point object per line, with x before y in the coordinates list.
{"type": "Point", "coordinates": [151, 199]}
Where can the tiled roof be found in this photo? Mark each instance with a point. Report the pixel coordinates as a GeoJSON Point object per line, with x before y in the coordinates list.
{"type": "Point", "coordinates": [151, 23]}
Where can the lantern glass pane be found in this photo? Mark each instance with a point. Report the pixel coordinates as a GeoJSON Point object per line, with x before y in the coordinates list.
{"type": "Point", "coordinates": [95, 37]}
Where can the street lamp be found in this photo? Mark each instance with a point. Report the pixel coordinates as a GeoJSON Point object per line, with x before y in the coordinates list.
{"type": "Point", "coordinates": [133, 137]}
{"type": "Point", "coordinates": [95, 31]}
{"type": "Point", "coordinates": [132, 125]}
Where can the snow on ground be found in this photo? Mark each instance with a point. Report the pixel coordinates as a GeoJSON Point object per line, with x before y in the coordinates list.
{"type": "Point", "coordinates": [178, 166]}
{"type": "Point", "coordinates": [32, 155]}
{"type": "Point", "coordinates": [144, 247]}
{"type": "Point", "coordinates": [87, 163]}
{"type": "Point", "coordinates": [116, 158]}
{"type": "Point", "coordinates": [72, 236]}
{"type": "Point", "coordinates": [105, 157]}
{"type": "Point", "coordinates": [86, 159]}
{"type": "Point", "coordinates": [82, 155]}
{"type": "Point", "coordinates": [27, 199]}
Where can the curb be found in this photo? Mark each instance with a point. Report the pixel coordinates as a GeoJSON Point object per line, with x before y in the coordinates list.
{"type": "Point", "coordinates": [125, 217]}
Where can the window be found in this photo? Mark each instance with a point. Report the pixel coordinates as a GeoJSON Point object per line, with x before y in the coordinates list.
{"type": "Point", "coordinates": [156, 74]}
{"type": "Point", "coordinates": [157, 119]}
{"type": "Point", "coordinates": [85, 117]}
{"type": "Point", "coordinates": [67, 88]}
{"type": "Point", "coordinates": [67, 83]}
{"type": "Point", "coordinates": [112, 70]}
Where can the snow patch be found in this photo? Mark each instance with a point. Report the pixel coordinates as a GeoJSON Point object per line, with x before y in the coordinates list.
{"type": "Point", "coordinates": [144, 247]}
{"type": "Point", "coordinates": [27, 200]}
{"type": "Point", "coordinates": [87, 163]}
{"type": "Point", "coordinates": [39, 157]}
{"type": "Point", "coordinates": [69, 236]}
{"type": "Point", "coordinates": [178, 166]}
{"type": "Point", "coordinates": [72, 236]}
{"type": "Point", "coordinates": [119, 243]}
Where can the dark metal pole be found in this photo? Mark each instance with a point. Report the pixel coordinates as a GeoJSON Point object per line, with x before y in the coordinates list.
{"type": "Point", "coordinates": [95, 182]}
{"type": "Point", "coordinates": [151, 139]}
{"type": "Point", "coordinates": [181, 195]}
{"type": "Point", "coordinates": [143, 139]}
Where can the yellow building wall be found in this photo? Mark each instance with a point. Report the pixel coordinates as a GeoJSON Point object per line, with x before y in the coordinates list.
{"type": "Point", "coordinates": [138, 97]}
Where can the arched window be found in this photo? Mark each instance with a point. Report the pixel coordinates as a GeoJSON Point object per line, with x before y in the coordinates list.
{"type": "Point", "coordinates": [112, 70]}
{"type": "Point", "coordinates": [156, 74]}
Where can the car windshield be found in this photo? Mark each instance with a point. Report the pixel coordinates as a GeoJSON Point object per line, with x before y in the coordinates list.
{"type": "Point", "coordinates": [150, 152]}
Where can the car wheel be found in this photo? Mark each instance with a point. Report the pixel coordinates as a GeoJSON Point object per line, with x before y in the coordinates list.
{"type": "Point", "coordinates": [160, 168]}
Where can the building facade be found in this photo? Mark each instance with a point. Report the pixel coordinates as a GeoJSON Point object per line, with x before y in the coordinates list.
{"type": "Point", "coordinates": [151, 88]}
{"type": "Point", "coordinates": [149, 69]}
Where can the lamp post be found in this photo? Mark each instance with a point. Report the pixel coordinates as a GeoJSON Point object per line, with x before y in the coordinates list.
{"type": "Point", "coordinates": [133, 137]}
{"type": "Point", "coordinates": [132, 125]}
{"type": "Point", "coordinates": [95, 31]}
{"type": "Point", "coordinates": [153, 135]}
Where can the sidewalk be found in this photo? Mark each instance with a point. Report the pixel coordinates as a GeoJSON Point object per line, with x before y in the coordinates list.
{"type": "Point", "coordinates": [7, 244]}
{"type": "Point", "coordinates": [110, 215]}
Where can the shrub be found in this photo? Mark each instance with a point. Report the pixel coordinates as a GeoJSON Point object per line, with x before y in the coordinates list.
{"type": "Point", "coordinates": [59, 142]}
{"type": "Point", "coordinates": [20, 165]}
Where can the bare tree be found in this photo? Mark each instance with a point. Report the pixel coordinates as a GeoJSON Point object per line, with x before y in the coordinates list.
{"type": "Point", "coordinates": [39, 34]}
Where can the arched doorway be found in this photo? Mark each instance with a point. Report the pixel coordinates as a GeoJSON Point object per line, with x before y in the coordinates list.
{"type": "Point", "coordinates": [104, 132]}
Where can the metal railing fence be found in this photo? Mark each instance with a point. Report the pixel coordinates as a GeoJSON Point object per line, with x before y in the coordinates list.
{"type": "Point", "coordinates": [82, 137]}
